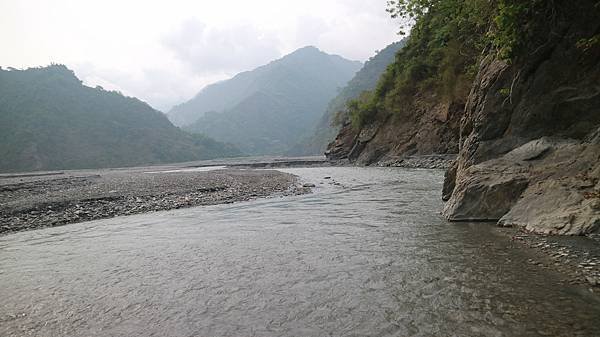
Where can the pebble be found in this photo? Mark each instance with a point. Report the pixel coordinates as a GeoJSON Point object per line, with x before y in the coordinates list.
{"type": "Point", "coordinates": [75, 199]}
{"type": "Point", "coordinates": [579, 264]}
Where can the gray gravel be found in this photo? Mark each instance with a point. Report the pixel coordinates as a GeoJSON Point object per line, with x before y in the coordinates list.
{"type": "Point", "coordinates": [57, 198]}
{"type": "Point", "coordinates": [435, 161]}
{"type": "Point", "coordinates": [578, 257]}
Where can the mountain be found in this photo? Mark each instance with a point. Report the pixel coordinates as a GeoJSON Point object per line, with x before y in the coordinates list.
{"type": "Point", "coordinates": [329, 124]}
{"type": "Point", "coordinates": [267, 110]}
{"type": "Point", "coordinates": [50, 120]}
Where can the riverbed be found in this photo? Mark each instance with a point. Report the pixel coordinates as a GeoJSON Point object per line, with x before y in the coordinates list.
{"type": "Point", "coordinates": [48, 199]}
{"type": "Point", "coordinates": [366, 254]}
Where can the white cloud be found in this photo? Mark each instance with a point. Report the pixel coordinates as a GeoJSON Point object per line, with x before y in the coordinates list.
{"type": "Point", "coordinates": [164, 52]}
{"type": "Point", "coordinates": [160, 87]}
{"type": "Point", "coordinates": [209, 50]}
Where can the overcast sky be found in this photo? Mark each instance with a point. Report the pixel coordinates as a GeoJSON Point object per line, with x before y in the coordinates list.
{"type": "Point", "coordinates": [163, 52]}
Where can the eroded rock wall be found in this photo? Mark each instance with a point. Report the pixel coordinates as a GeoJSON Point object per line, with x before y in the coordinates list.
{"type": "Point", "coordinates": [529, 146]}
{"type": "Point", "coordinates": [430, 126]}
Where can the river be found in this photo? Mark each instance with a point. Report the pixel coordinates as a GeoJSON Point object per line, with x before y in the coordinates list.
{"type": "Point", "coordinates": [368, 255]}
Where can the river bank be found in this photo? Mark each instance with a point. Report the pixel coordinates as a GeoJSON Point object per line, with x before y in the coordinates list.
{"type": "Point", "coordinates": [48, 199]}
{"type": "Point", "coordinates": [577, 258]}
{"type": "Point", "coordinates": [431, 161]}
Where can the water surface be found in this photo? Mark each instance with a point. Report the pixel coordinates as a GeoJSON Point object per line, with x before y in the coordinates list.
{"type": "Point", "coordinates": [191, 169]}
{"type": "Point", "coordinates": [368, 257]}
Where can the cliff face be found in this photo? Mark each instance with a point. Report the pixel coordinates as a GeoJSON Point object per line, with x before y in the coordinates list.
{"type": "Point", "coordinates": [530, 135]}
{"type": "Point", "coordinates": [416, 107]}
{"type": "Point", "coordinates": [527, 131]}
{"type": "Point", "coordinates": [429, 127]}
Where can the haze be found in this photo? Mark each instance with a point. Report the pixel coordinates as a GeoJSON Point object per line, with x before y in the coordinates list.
{"type": "Point", "coordinates": [165, 52]}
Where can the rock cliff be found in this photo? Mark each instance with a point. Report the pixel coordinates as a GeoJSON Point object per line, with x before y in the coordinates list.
{"type": "Point", "coordinates": [430, 127]}
{"type": "Point", "coordinates": [526, 129]}
{"type": "Point", "coordinates": [530, 135]}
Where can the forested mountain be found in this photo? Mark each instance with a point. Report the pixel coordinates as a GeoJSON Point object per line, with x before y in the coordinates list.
{"type": "Point", "coordinates": [50, 120]}
{"type": "Point", "coordinates": [335, 115]}
{"type": "Point", "coordinates": [267, 110]}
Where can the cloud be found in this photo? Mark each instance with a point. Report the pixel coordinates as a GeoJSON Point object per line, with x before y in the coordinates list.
{"type": "Point", "coordinates": [177, 47]}
{"type": "Point", "coordinates": [161, 88]}
{"type": "Point", "coordinates": [210, 50]}
{"type": "Point", "coordinates": [309, 30]}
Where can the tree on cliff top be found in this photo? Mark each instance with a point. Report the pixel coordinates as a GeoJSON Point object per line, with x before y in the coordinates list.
{"type": "Point", "coordinates": [445, 45]}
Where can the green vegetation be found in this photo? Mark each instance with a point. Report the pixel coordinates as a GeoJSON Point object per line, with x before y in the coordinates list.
{"type": "Point", "coordinates": [504, 92]}
{"type": "Point", "coordinates": [445, 47]}
{"type": "Point", "coordinates": [589, 43]}
{"type": "Point", "coordinates": [361, 109]}
{"type": "Point", "coordinates": [49, 120]}
{"type": "Point", "coordinates": [268, 110]}
{"type": "Point", "coordinates": [364, 80]}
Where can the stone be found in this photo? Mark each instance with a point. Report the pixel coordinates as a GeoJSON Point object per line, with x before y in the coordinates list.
{"type": "Point", "coordinates": [533, 153]}
{"type": "Point", "coordinates": [550, 207]}
{"type": "Point", "coordinates": [484, 195]}
{"type": "Point", "coordinates": [547, 194]}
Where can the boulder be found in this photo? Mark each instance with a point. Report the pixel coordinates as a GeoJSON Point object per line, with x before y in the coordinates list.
{"type": "Point", "coordinates": [485, 194]}
{"type": "Point", "coordinates": [555, 207]}
{"type": "Point", "coordinates": [547, 186]}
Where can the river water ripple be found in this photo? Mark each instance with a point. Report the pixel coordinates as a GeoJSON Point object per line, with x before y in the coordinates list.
{"type": "Point", "coordinates": [369, 257]}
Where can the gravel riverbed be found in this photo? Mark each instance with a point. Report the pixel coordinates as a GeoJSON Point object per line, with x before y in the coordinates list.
{"type": "Point", "coordinates": [30, 201]}
{"type": "Point", "coordinates": [576, 257]}
{"type": "Point", "coordinates": [46, 199]}
{"type": "Point", "coordinates": [434, 161]}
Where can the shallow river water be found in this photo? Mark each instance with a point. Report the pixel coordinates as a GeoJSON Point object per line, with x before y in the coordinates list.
{"type": "Point", "coordinates": [369, 257]}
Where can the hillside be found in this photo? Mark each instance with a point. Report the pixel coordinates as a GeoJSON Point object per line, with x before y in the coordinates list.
{"type": "Point", "coordinates": [335, 114]}
{"type": "Point", "coordinates": [49, 120]}
{"type": "Point", "coordinates": [512, 87]}
{"type": "Point", "coordinates": [267, 110]}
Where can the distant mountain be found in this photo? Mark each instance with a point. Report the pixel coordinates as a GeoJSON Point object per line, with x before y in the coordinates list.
{"type": "Point", "coordinates": [365, 79]}
{"type": "Point", "coordinates": [50, 120]}
{"type": "Point", "coordinates": [268, 109]}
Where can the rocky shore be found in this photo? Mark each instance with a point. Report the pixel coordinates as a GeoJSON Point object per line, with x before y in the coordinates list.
{"type": "Point", "coordinates": [526, 132]}
{"type": "Point", "coordinates": [30, 201]}
{"type": "Point", "coordinates": [577, 258]}
{"type": "Point", "coordinates": [434, 161]}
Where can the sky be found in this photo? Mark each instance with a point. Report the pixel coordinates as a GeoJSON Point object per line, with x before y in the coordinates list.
{"type": "Point", "coordinates": [164, 52]}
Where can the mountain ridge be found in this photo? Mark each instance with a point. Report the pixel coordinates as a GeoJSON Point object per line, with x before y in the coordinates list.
{"type": "Point", "coordinates": [227, 93]}
{"type": "Point", "coordinates": [335, 114]}
{"type": "Point", "coordinates": [295, 90]}
{"type": "Point", "coordinates": [50, 120]}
